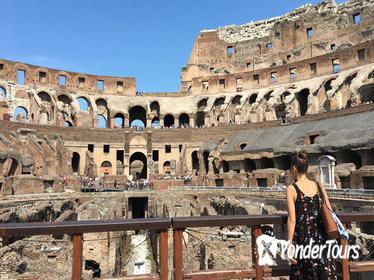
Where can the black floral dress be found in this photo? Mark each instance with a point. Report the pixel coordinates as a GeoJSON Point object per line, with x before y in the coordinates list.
{"type": "Point", "coordinates": [309, 226]}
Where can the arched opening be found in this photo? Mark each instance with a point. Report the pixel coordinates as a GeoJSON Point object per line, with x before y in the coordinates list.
{"type": "Point", "coordinates": [138, 166]}
{"type": "Point", "coordinates": [20, 114]}
{"type": "Point", "coordinates": [166, 167]}
{"type": "Point", "coordinates": [268, 95]}
{"type": "Point", "coordinates": [284, 95]}
{"type": "Point", "coordinates": [266, 162]}
{"type": "Point", "coordinates": [10, 167]}
{"type": "Point", "coordinates": [155, 122]}
{"type": "Point", "coordinates": [44, 97]}
{"type": "Point", "coordinates": [75, 162]}
{"type": "Point", "coordinates": [2, 92]}
{"type": "Point", "coordinates": [219, 101]}
{"type": "Point", "coordinates": [366, 93]}
{"type": "Point", "coordinates": [68, 124]}
{"type": "Point", "coordinates": [169, 120]}
{"type": "Point", "coordinates": [184, 120]}
{"type": "Point", "coordinates": [64, 99]}
{"type": "Point", "coordinates": [106, 168]}
{"type": "Point", "coordinates": [102, 121]}
{"type": "Point", "coordinates": [119, 120]}
{"type": "Point", "coordinates": [302, 98]}
{"type": "Point", "coordinates": [83, 104]}
{"type": "Point", "coordinates": [225, 166]}
{"type": "Point", "coordinates": [155, 107]}
{"type": "Point", "coordinates": [195, 160]}
{"type": "Point", "coordinates": [347, 156]}
{"type": "Point", "coordinates": [252, 98]}
{"type": "Point", "coordinates": [137, 116]}
{"type": "Point", "coordinates": [236, 100]}
{"type": "Point", "coordinates": [249, 165]}
{"type": "Point", "coordinates": [283, 162]}
{"type": "Point", "coordinates": [327, 85]}
{"type": "Point", "coordinates": [200, 119]}
{"type": "Point", "coordinates": [190, 89]}
{"type": "Point", "coordinates": [94, 266]}
{"type": "Point", "coordinates": [202, 103]}
{"type": "Point", "coordinates": [206, 161]}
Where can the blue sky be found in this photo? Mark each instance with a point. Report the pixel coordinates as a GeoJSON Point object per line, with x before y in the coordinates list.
{"type": "Point", "coordinates": [148, 40]}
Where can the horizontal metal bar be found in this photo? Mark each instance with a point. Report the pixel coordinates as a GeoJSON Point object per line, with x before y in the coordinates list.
{"type": "Point", "coordinates": [361, 266]}
{"type": "Point", "coordinates": [75, 227]}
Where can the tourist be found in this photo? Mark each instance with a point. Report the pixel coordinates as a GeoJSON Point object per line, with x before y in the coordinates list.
{"type": "Point", "coordinates": [305, 223]}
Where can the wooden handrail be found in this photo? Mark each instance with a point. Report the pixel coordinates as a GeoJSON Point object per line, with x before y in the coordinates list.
{"type": "Point", "coordinates": [76, 227]}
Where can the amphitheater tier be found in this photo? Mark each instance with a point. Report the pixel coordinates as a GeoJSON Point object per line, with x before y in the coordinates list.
{"type": "Point", "coordinates": [243, 86]}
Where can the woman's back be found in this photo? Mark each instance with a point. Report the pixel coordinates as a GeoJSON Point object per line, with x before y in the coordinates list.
{"type": "Point", "coordinates": [308, 187]}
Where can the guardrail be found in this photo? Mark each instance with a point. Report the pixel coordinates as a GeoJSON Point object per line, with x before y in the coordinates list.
{"type": "Point", "coordinates": [178, 226]}
{"type": "Point", "coordinates": [275, 188]}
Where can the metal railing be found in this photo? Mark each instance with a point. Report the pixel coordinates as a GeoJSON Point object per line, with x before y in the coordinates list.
{"type": "Point", "coordinates": [178, 225]}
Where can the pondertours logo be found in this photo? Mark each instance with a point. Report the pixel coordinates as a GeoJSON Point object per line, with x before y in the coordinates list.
{"type": "Point", "coordinates": [268, 248]}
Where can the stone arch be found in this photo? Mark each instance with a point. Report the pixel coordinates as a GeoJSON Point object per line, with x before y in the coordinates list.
{"type": "Point", "coordinates": [75, 162]}
{"type": "Point", "coordinates": [137, 116]}
{"type": "Point", "coordinates": [166, 168]}
{"type": "Point", "coordinates": [106, 168]}
{"type": "Point", "coordinates": [64, 98]}
{"type": "Point", "coordinates": [327, 84]}
{"type": "Point", "coordinates": [138, 165]}
{"type": "Point", "coordinates": [225, 166]}
{"type": "Point", "coordinates": [155, 108]}
{"type": "Point", "coordinates": [302, 98]}
{"type": "Point", "coordinates": [119, 120]}
{"type": "Point", "coordinates": [266, 162]}
{"type": "Point", "coordinates": [45, 97]}
{"type": "Point", "coordinates": [236, 100]}
{"type": "Point", "coordinates": [155, 122]}
{"type": "Point", "coordinates": [200, 118]}
{"type": "Point", "coordinates": [366, 93]}
{"type": "Point", "coordinates": [84, 104]}
{"type": "Point", "coordinates": [20, 114]}
{"type": "Point", "coordinates": [169, 120]}
{"type": "Point", "coordinates": [102, 121]}
{"type": "Point", "coordinates": [184, 119]}
{"type": "Point", "coordinates": [195, 160]}
{"type": "Point", "coordinates": [2, 93]}
{"type": "Point", "coordinates": [219, 101]}
{"type": "Point", "coordinates": [68, 124]}
{"type": "Point", "coordinates": [202, 103]}
{"type": "Point", "coordinates": [252, 98]}
{"type": "Point", "coordinates": [249, 165]}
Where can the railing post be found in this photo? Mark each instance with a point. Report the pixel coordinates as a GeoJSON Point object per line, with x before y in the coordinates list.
{"type": "Point", "coordinates": [256, 232]}
{"type": "Point", "coordinates": [77, 256]}
{"type": "Point", "coordinates": [344, 260]}
{"type": "Point", "coordinates": [164, 254]}
{"type": "Point", "coordinates": [178, 254]}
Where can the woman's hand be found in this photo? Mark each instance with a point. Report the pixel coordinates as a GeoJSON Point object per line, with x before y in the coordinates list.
{"type": "Point", "coordinates": [290, 253]}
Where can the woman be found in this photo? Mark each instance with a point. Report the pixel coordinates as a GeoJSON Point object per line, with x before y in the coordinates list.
{"type": "Point", "coordinates": [305, 223]}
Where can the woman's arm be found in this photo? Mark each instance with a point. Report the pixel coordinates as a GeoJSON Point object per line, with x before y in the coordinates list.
{"type": "Point", "coordinates": [325, 197]}
{"type": "Point", "coordinates": [291, 221]}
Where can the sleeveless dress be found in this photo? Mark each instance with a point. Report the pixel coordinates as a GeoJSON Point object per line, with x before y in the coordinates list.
{"type": "Point", "coordinates": [309, 226]}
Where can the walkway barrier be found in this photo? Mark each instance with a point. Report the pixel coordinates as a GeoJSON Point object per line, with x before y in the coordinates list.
{"type": "Point", "coordinates": [181, 226]}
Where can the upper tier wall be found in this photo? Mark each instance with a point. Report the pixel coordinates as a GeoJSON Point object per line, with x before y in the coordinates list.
{"type": "Point", "coordinates": [279, 41]}
{"type": "Point", "coordinates": [47, 77]}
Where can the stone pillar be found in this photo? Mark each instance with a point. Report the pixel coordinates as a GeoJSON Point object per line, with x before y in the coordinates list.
{"type": "Point", "coordinates": [127, 122]}
{"type": "Point", "coordinates": [176, 122]}
{"type": "Point", "coordinates": [192, 121]}
{"type": "Point", "coordinates": [161, 122]}
{"type": "Point", "coordinates": [149, 122]}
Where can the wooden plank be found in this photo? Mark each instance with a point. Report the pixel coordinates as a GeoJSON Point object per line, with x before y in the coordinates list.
{"type": "Point", "coordinates": [259, 269]}
{"type": "Point", "coordinates": [77, 256]}
{"type": "Point", "coordinates": [75, 227]}
{"type": "Point", "coordinates": [236, 273]}
{"type": "Point", "coordinates": [178, 254]}
{"type": "Point", "coordinates": [344, 261]}
{"type": "Point", "coordinates": [163, 255]}
{"type": "Point", "coordinates": [361, 266]}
